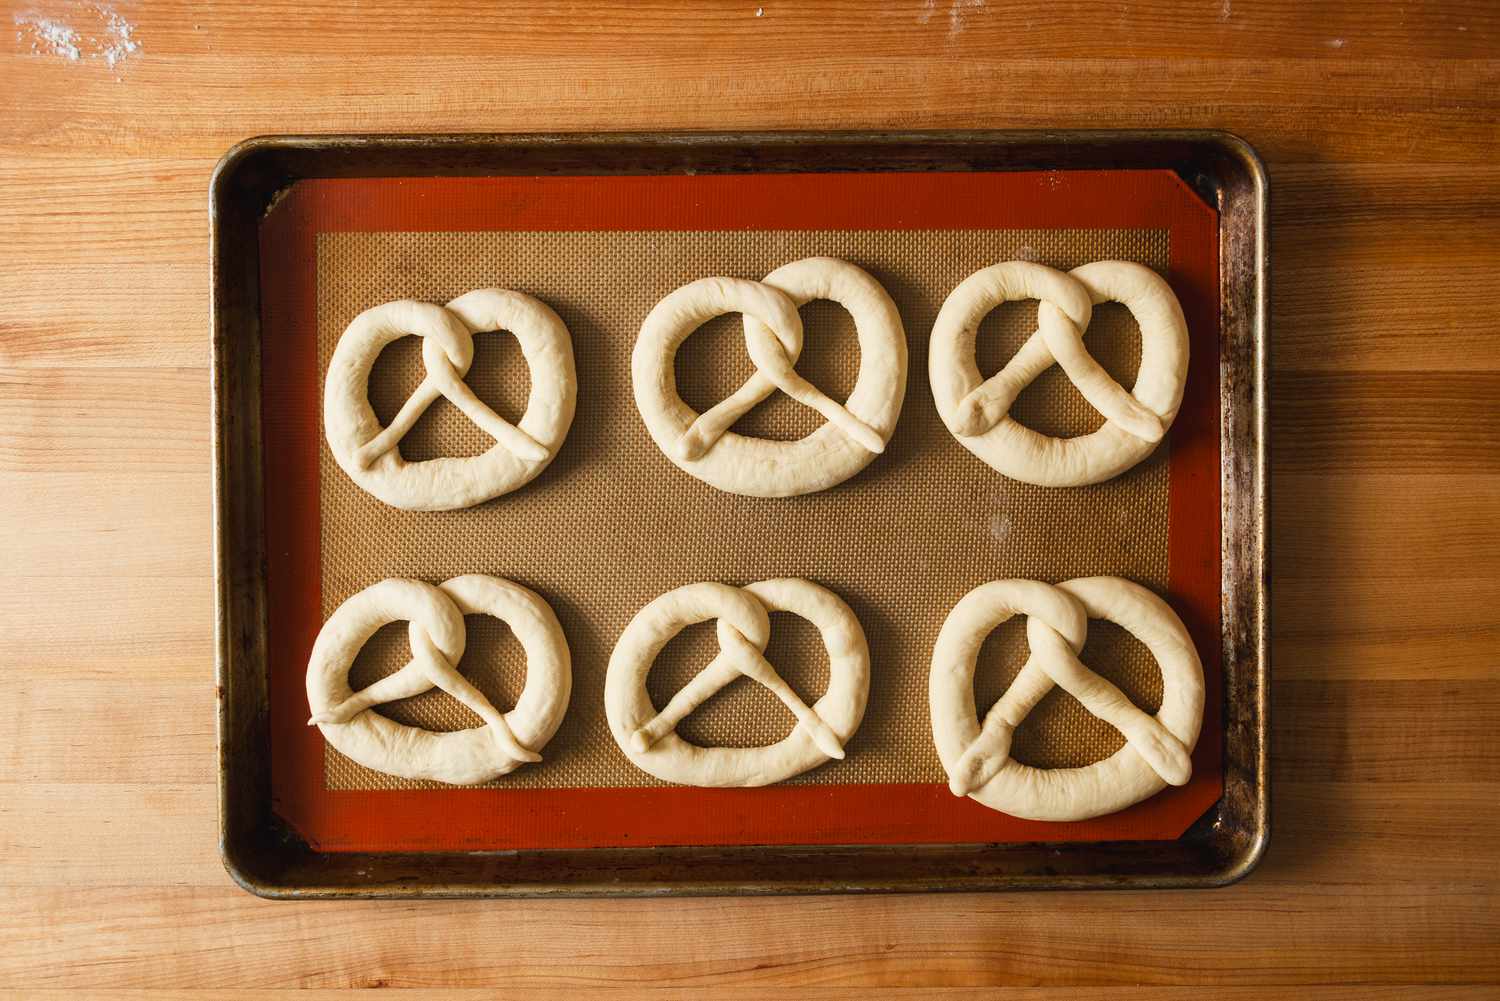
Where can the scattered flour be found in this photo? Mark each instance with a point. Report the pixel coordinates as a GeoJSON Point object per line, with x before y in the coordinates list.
{"type": "Point", "coordinates": [48, 37]}
{"type": "Point", "coordinates": [120, 41]}
{"type": "Point", "coordinates": [108, 37]}
{"type": "Point", "coordinates": [956, 15]}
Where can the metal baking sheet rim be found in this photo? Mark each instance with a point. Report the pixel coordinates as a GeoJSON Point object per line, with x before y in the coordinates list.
{"type": "Point", "coordinates": [266, 859]}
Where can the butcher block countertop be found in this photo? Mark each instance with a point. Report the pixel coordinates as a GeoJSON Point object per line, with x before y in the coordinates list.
{"type": "Point", "coordinates": [1380, 127]}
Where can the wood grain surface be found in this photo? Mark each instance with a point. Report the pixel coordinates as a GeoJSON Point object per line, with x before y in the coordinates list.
{"type": "Point", "coordinates": [1381, 127]}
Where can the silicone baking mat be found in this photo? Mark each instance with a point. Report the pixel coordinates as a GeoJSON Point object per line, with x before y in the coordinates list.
{"type": "Point", "coordinates": [611, 523]}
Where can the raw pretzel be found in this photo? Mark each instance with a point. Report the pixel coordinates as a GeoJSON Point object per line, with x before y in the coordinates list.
{"type": "Point", "coordinates": [977, 756]}
{"type": "Point", "coordinates": [436, 633]}
{"type": "Point", "coordinates": [370, 454]}
{"type": "Point", "coordinates": [648, 737]}
{"type": "Point", "coordinates": [977, 410]}
{"type": "Point", "coordinates": [703, 445]}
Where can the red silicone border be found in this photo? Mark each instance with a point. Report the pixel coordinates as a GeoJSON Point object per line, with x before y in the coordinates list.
{"type": "Point", "coordinates": [497, 819]}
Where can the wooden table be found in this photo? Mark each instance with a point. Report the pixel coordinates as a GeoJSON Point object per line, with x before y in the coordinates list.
{"type": "Point", "coordinates": [1380, 126]}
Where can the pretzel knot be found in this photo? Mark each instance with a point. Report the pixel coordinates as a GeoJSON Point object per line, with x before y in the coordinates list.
{"type": "Point", "coordinates": [977, 411]}
{"type": "Point", "coordinates": [446, 356]}
{"type": "Point", "coordinates": [774, 353]}
{"type": "Point", "coordinates": [436, 634]}
{"type": "Point", "coordinates": [370, 454]}
{"type": "Point", "coordinates": [738, 655]}
{"type": "Point", "coordinates": [648, 736]}
{"type": "Point", "coordinates": [704, 445]}
{"type": "Point", "coordinates": [976, 755]}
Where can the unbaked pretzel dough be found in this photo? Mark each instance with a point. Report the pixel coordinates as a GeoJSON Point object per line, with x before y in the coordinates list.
{"type": "Point", "coordinates": [648, 737]}
{"type": "Point", "coordinates": [703, 445]}
{"type": "Point", "coordinates": [436, 633]}
{"type": "Point", "coordinates": [976, 410]}
{"type": "Point", "coordinates": [977, 756]}
{"type": "Point", "coordinates": [370, 454]}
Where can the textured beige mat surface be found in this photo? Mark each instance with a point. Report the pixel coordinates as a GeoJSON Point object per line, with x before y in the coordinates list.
{"type": "Point", "coordinates": [612, 523]}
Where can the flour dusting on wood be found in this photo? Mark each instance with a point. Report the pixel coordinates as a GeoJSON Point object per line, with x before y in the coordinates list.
{"type": "Point", "coordinates": [47, 37]}
{"type": "Point", "coordinates": [956, 14]}
{"type": "Point", "coordinates": [105, 35]}
{"type": "Point", "coordinates": [120, 41]}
